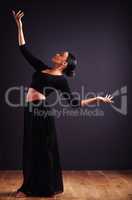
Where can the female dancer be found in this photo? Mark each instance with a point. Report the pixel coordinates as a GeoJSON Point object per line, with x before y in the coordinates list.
{"type": "Point", "coordinates": [42, 174]}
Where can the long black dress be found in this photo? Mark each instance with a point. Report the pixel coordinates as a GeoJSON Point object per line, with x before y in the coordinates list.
{"type": "Point", "coordinates": [42, 173]}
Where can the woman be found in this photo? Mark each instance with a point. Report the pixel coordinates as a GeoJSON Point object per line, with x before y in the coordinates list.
{"type": "Point", "coordinates": [42, 175]}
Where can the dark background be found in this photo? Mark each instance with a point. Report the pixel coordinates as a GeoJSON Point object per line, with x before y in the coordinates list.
{"type": "Point", "coordinates": [98, 33]}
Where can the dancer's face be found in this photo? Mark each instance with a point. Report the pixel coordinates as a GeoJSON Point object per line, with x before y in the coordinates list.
{"type": "Point", "coordinates": [61, 58]}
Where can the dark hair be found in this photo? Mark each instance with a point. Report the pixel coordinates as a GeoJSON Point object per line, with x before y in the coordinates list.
{"type": "Point", "coordinates": [72, 63]}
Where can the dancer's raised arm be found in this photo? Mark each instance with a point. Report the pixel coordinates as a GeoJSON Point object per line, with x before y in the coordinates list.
{"type": "Point", "coordinates": [35, 62]}
{"type": "Point", "coordinates": [18, 16]}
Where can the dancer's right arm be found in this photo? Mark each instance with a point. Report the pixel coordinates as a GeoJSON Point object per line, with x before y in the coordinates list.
{"type": "Point", "coordinates": [35, 62]}
{"type": "Point", "coordinates": [17, 17]}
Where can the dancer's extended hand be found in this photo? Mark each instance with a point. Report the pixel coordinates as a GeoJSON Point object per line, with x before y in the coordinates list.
{"type": "Point", "coordinates": [106, 99]}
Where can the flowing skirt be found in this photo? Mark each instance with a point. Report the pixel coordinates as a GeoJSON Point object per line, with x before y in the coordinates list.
{"type": "Point", "coordinates": [42, 174]}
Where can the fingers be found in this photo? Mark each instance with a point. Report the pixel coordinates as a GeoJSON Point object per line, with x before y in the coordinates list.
{"type": "Point", "coordinates": [19, 14]}
{"type": "Point", "coordinates": [109, 96]}
{"type": "Point", "coordinates": [108, 99]}
{"type": "Point", "coordinates": [13, 12]}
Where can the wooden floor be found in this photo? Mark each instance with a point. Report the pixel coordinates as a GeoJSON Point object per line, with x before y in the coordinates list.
{"type": "Point", "coordinates": [78, 185]}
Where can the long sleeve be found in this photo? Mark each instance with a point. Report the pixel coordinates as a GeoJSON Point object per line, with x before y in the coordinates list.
{"type": "Point", "coordinates": [37, 64]}
{"type": "Point", "coordinates": [75, 102]}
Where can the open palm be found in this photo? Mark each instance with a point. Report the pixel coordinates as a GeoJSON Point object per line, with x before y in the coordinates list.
{"type": "Point", "coordinates": [18, 16]}
{"type": "Point", "coordinates": [106, 99]}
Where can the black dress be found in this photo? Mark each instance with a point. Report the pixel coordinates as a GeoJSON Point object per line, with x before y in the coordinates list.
{"type": "Point", "coordinates": [42, 173]}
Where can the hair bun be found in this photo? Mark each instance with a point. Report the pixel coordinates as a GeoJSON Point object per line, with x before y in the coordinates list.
{"type": "Point", "coordinates": [70, 73]}
{"type": "Point", "coordinates": [72, 63]}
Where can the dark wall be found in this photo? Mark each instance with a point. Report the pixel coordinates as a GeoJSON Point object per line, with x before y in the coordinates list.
{"type": "Point", "coordinates": [97, 33]}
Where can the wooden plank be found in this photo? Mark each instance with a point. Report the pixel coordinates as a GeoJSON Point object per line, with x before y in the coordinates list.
{"type": "Point", "coordinates": [78, 185]}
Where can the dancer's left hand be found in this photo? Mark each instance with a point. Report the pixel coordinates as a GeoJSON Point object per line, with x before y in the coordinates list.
{"type": "Point", "coordinates": [106, 99]}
